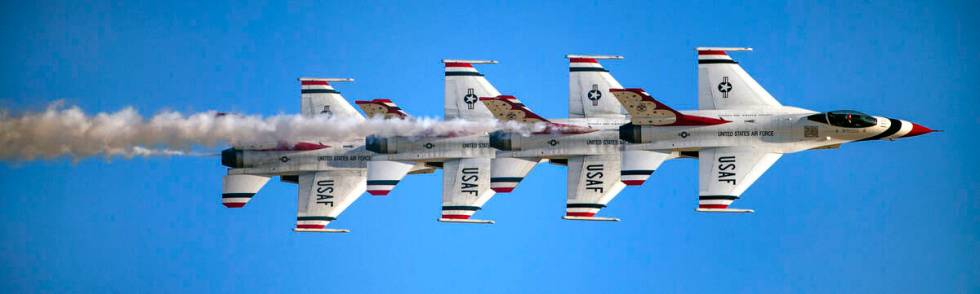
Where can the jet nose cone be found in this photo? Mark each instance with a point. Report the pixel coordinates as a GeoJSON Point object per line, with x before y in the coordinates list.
{"type": "Point", "coordinates": [917, 129]}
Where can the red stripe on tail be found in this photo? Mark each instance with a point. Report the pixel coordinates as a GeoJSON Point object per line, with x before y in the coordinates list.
{"type": "Point", "coordinates": [583, 60]}
{"type": "Point", "coordinates": [458, 64]}
{"type": "Point", "coordinates": [298, 226]}
{"type": "Point", "coordinates": [633, 182]}
{"type": "Point", "coordinates": [713, 206]}
{"type": "Point", "coordinates": [711, 52]}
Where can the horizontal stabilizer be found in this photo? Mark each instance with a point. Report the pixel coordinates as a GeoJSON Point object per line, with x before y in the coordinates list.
{"type": "Point", "coordinates": [507, 172]}
{"type": "Point", "coordinates": [237, 190]}
{"type": "Point", "coordinates": [638, 165]}
{"type": "Point", "coordinates": [645, 110]}
{"type": "Point", "coordinates": [508, 108]}
{"type": "Point", "coordinates": [384, 108]}
{"type": "Point", "coordinates": [383, 175]}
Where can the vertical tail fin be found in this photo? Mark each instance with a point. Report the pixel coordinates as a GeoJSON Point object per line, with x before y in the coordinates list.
{"type": "Point", "coordinates": [588, 88]}
{"type": "Point", "coordinates": [384, 108]}
{"type": "Point", "coordinates": [723, 84]}
{"type": "Point", "coordinates": [317, 97]}
{"type": "Point", "coordinates": [464, 86]}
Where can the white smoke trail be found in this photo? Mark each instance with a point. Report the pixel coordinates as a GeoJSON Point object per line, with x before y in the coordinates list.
{"type": "Point", "coordinates": [69, 131]}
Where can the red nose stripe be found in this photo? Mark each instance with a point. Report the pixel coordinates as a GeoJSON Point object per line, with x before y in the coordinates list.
{"type": "Point", "coordinates": [918, 130]}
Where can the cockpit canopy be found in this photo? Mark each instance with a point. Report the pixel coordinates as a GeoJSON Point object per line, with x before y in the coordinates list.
{"type": "Point", "coordinates": [845, 119]}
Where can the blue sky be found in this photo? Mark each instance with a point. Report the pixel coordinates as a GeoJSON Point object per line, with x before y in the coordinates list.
{"type": "Point", "coordinates": [871, 217]}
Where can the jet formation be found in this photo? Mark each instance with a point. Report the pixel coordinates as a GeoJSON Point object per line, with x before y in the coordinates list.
{"type": "Point", "coordinates": [613, 137]}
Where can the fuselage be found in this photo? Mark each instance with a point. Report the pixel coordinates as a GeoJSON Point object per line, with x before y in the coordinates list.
{"type": "Point", "coordinates": [779, 130]}
{"type": "Point", "coordinates": [339, 156]}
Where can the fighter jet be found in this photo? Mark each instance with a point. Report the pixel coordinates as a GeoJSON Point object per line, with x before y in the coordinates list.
{"type": "Point", "coordinates": [738, 131]}
{"type": "Point", "coordinates": [587, 142]}
{"type": "Point", "coordinates": [464, 158]}
{"type": "Point", "coordinates": [331, 175]}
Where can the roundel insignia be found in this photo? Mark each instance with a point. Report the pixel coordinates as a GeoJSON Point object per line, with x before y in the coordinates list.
{"type": "Point", "coordinates": [683, 134]}
{"type": "Point", "coordinates": [284, 159]}
{"type": "Point", "coordinates": [429, 145]}
{"type": "Point", "coordinates": [595, 95]}
{"type": "Point", "coordinates": [470, 98]}
{"type": "Point", "coordinates": [724, 87]}
{"type": "Point", "coordinates": [553, 142]}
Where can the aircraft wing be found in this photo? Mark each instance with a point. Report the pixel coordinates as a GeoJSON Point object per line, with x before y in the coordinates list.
{"type": "Point", "coordinates": [324, 195]}
{"type": "Point", "coordinates": [726, 172]}
{"type": "Point", "coordinates": [723, 84]}
{"type": "Point", "coordinates": [465, 188]}
{"type": "Point", "coordinates": [593, 181]}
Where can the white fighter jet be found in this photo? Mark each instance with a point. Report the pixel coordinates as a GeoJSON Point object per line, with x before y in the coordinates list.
{"type": "Point", "coordinates": [331, 175]}
{"type": "Point", "coordinates": [464, 158]}
{"type": "Point", "coordinates": [738, 131]}
{"type": "Point", "coordinates": [587, 142]}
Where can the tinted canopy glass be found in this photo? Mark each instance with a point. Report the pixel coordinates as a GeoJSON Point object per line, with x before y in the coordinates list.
{"type": "Point", "coordinates": [850, 119]}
